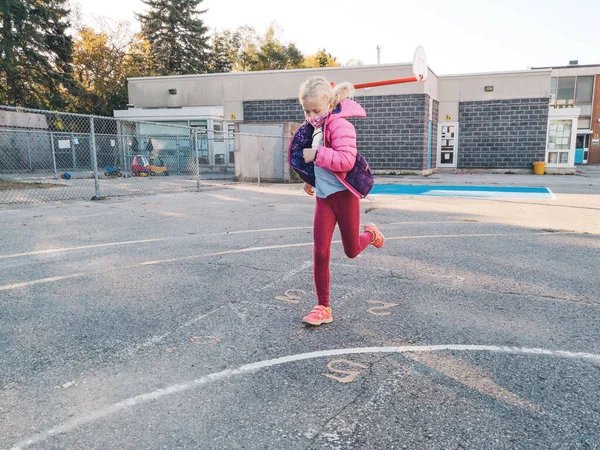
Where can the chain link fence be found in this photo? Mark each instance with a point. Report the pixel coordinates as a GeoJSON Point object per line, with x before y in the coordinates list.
{"type": "Point", "coordinates": [51, 156]}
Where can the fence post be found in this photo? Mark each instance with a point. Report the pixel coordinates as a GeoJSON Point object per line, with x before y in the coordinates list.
{"type": "Point", "coordinates": [72, 144]}
{"type": "Point", "coordinates": [197, 160]}
{"type": "Point", "coordinates": [28, 151]}
{"type": "Point", "coordinates": [123, 144]}
{"type": "Point", "coordinates": [177, 153]}
{"type": "Point", "coordinates": [94, 160]}
{"type": "Point", "coordinates": [258, 150]}
{"type": "Point", "coordinates": [53, 154]}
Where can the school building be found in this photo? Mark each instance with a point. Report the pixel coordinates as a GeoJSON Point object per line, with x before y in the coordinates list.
{"type": "Point", "coordinates": [502, 121]}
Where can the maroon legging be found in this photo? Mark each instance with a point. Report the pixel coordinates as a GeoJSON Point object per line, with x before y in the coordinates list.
{"type": "Point", "coordinates": [344, 208]}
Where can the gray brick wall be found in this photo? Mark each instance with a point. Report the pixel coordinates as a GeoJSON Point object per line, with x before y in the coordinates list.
{"type": "Point", "coordinates": [288, 110]}
{"type": "Point", "coordinates": [434, 144]}
{"type": "Point", "coordinates": [393, 136]}
{"type": "Point", "coordinates": [502, 133]}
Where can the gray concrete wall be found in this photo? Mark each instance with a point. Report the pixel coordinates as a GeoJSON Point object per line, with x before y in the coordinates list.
{"type": "Point", "coordinates": [230, 90]}
{"type": "Point", "coordinates": [507, 86]}
{"type": "Point", "coordinates": [434, 143]}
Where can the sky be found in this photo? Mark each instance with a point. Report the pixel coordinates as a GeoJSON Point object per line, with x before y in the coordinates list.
{"type": "Point", "coordinates": [460, 36]}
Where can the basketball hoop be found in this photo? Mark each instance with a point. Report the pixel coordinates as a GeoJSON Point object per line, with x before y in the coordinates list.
{"type": "Point", "coordinates": [419, 69]}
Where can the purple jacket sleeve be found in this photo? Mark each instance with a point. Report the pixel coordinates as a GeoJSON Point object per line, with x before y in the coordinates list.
{"type": "Point", "coordinates": [340, 157]}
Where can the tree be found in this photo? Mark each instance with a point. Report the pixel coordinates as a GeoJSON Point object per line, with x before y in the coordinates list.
{"type": "Point", "coordinates": [221, 53]}
{"type": "Point", "coordinates": [140, 62]}
{"type": "Point", "coordinates": [354, 62]}
{"type": "Point", "coordinates": [321, 59]}
{"type": "Point", "coordinates": [177, 36]}
{"type": "Point", "coordinates": [103, 60]}
{"type": "Point", "coordinates": [273, 55]}
{"type": "Point", "coordinates": [247, 51]}
{"type": "Point", "coordinates": [35, 53]}
{"type": "Point", "coordinates": [244, 48]}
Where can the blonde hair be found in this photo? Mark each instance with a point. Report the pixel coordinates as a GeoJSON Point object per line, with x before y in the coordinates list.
{"type": "Point", "coordinates": [318, 88]}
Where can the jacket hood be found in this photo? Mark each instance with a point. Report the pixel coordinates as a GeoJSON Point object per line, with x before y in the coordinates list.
{"type": "Point", "coordinates": [348, 108]}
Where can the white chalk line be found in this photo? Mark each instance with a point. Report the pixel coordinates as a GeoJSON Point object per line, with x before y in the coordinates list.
{"type": "Point", "coordinates": [70, 425]}
{"type": "Point", "coordinates": [7, 287]}
{"type": "Point", "coordinates": [145, 241]}
{"type": "Point", "coordinates": [438, 236]}
{"type": "Point", "coordinates": [83, 247]}
{"type": "Point", "coordinates": [155, 339]}
{"type": "Point", "coordinates": [306, 244]}
{"type": "Point", "coordinates": [305, 265]}
{"type": "Point", "coordinates": [227, 252]}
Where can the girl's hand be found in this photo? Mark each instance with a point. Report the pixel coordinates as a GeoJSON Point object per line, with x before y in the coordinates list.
{"type": "Point", "coordinates": [309, 154]}
{"type": "Point", "coordinates": [309, 189]}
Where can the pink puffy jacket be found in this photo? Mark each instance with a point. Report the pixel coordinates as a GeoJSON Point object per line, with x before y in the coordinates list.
{"type": "Point", "coordinates": [338, 152]}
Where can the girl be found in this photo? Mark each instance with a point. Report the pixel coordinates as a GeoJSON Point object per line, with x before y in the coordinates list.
{"type": "Point", "coordinates": [323, 152]}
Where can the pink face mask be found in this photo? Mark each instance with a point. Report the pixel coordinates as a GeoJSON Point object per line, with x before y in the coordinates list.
{"type": "Point", "coordinates": [317, 121]}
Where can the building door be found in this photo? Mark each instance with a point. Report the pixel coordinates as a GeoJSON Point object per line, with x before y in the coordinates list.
{"type": "Point", "coordinates": [582, 148]}
{"type": "Point", "coordinates": [231, 143]}
{"type": "Point", "coordinates": [203, 155]}
{"type": "Point", "coordinates": [447, 145]}
{"type": "Point", "coordinates": [220, 144]}
{"type": "Point", "coordinates": [261, 152]}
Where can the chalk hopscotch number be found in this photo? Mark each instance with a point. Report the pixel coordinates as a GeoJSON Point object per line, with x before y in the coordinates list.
{"type": "Point", "coordinates": [375, 310]}
{"type": "Point", "coordinates": [291, 296]}
{"type": "Point", "coordinates": [351, 374]}
{"type": "Point", "coordinates": [204, 340]}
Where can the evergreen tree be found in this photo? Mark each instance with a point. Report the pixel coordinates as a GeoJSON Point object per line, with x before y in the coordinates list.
{"type": "Point", "coordinates": [177, 36]}
{"type": "Point", "coordinates": [35, 53]}
{"type": "Point", "coordinates": [220, 55]}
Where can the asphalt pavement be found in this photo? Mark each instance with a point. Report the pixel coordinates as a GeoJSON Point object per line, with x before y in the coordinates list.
{"type": "Point", "coordinates": [174, 321]}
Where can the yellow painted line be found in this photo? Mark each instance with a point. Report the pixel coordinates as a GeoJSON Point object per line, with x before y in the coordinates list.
{"type": "Point", "coordinates": [83, 247]}
{"type": "Point", "coordinates": [33, 282]}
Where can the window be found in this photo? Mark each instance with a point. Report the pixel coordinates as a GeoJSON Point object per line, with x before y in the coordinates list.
{"type": "Point", "coordinates": [559, 135]}
{"type": "Point", "coordinates": [559, 138]}
{"type": "Point", "coordinates": [583, 141]}
{"type": "Point", "coordinates": [553, 91]}
{"type": "Point", "coordinates": [566, 91]}
{"type": "Point", "coordinates": [201, 126]}
{"type": "Point", "coordinates": [218, 127]}
{"type": "Point", "coordinates": [585, 88]}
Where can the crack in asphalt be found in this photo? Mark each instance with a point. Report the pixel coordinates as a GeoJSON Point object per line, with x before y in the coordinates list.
{"type": "Point", "coordinates": [350, 403]}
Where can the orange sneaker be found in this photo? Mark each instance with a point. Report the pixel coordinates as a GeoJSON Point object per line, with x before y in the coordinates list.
{"type": "Point", "coordinates": [320, 314]}
{"type": "Point", "coordinates": [378, 238]}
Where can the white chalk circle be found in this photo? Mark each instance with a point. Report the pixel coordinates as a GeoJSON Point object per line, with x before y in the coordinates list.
{"type": "Point", "coordinates": [254, 367]}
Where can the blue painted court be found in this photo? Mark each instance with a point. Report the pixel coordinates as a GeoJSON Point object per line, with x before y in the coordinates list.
{"type": "Point", "coordinates": [464, 191]}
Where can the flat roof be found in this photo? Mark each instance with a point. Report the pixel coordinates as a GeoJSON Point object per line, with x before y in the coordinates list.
{"type": "Point", "coordinates": [266, 72]}
{"type": "Point", "coordinates": [570, 66]}
{"type": "Point", "coordinates": [487, 74]}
